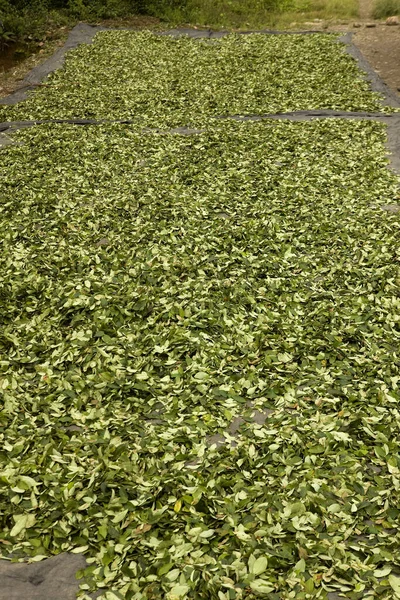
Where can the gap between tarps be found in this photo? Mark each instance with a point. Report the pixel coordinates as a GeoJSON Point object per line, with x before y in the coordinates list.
{"type": "Point", "coordinates": [300, 115]}
{"type": "Point", "coordinates": [392, 121]}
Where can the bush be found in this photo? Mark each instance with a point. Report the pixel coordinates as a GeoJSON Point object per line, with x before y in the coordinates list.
{"type": "Point", "coordinates": [386, 8]}
{"type": "Point", "coordinates": [33, 17]}
{"type": "Point", "coordinates": [23, 20]}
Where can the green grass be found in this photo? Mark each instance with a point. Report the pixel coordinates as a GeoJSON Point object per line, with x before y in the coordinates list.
{"type": "Point", "coordinates": [161, 81]}
{"type": "Point", "coordinates": [386, 8]}
{"type": "Point", "coordinates": [27, 20]}
{"type": "Point", "coordinates": [152, 286]}
{"type": "Point", "coordinates": [250, 14]}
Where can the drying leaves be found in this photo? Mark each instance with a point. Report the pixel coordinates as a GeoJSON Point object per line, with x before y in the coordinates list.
{"type": "Point", "coordinates": [154, 288]}
{"type": "Point", "coordinates": [162, 81]}
{"type": "Point", "coordinates": [198, 356]}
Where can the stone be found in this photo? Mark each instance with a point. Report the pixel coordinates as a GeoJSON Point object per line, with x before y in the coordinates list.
{"type": "Point", "coordinates": [393, 208]}
{"type": "Point", "coordinates": [370, 25]}
{"type": "Point", "coordinates": [5, 140]}
{"type": "Point", "coordinates": [393, 21]}
{"type": "Point", "coordinates": [186, 131]}
{"type": "Point", "coordinates": [357, 25]}
{"type": "Point", "coordinates": [103, 242]}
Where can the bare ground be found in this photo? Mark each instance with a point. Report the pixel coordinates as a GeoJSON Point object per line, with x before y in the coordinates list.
{"type": "Point", "coordinates": [381, 47]}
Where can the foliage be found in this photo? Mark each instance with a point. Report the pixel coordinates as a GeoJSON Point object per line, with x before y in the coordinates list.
{"type": "Point", "coordinates": [250, 13]}
{"type": "Point", "coordinates": [5, 38]}
{"type": "Point", "coordinates": [155, 287]}
{"type": "Point", "coordinates": [194, 11]}
{"type": "Point", "coordinates": [102, 9]}
{"type": "Point", "coordinates": [30, 21]}
{"type": "Point", "coordinates": [35, 17]}
{"type": "Point", "coordinates": [162, 81]}
{"type": "Point", "coordinates": [386, 8]}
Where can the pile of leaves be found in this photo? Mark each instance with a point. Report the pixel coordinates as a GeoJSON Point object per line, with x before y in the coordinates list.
{"type": "Point", "coordinates": [154, 289]}
{"type": "Point", "coordinates": [162, 81]}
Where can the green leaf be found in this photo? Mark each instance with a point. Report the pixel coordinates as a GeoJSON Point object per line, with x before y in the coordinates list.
{"type": "Point", "coordinates": [255, 253]}
{"type": "Point", "coordinates": [22, 522]}
{"type": "Point", "coordinates": [259, 565]}
{"type": "Point", "coordinates": [334, 508]}
{"type": "Point", "coordinates": [294, 510]}
{"type": "Point", "coordinates": [309, 586]}
{"type": "Point", "coordinates": [164, 569]}
{"type": "Point", "coordinates": [207, 534]}
{"type": "Point", "coordinates": [201, 375]}
{"type": "Point", "coordinates": [378, 573]}
{"type": "Point", "coordinates": [178, 591]}
{"type": "Point", "coordinates": [395, 584]}
{"type": "Point", "coordinates": [173, 575]}
{"type": "Point", "coordinates": [300, 566]}
{"type": "Point", "coordinates": [261, 587]}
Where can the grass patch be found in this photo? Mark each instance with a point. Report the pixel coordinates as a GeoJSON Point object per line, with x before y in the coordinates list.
{"type": "Point", "coordinates": [34, 19]}
{"type": "Point", "coordinates": [161, 81]}
{"type": "Point", "coordinates": [386, 8]}
{"type": "Point", "coordinates": [256, 15]}
{"type": "Point", "coordinates": [151, 286]}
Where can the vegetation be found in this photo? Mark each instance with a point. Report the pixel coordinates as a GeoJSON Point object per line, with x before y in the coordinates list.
{"type": "Point", "coordinates": [33, 18]}
{"type": "Point", "coordinates": [27, 18]}
{"type": "Point", "coordinates": [256, 14]}
{"type": "Point", "coordinates": [156, 287]}
{"type": "Point", "coordinates": [386, 8]}
{"type": "Point", "coordinates": [160, 81]}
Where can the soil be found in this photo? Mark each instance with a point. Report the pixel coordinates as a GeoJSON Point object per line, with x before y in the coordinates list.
{"type": "Point", "coordinates": [381, 47]}
{"type": "Point", "coordinates": [12, 54]}
{"type": "Point", "coordinates": [14, 67]}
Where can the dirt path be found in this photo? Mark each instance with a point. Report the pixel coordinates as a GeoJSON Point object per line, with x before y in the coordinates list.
{"type": "Point", "coordinates": [380, 44]}
{"type": "Point", "coordinates": [365, 8]}
{"type": "Point", "coordinates": [381, 47]}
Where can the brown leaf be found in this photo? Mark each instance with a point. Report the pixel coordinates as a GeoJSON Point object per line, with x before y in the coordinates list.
{"type": "Point", "coordinates": [303, 553]}
{"type": "Point", "coordinates": [143, 528]}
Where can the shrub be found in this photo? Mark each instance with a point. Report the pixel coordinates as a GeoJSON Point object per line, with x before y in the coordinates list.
{"type": "Point", "coordinates": [32, 17]}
